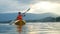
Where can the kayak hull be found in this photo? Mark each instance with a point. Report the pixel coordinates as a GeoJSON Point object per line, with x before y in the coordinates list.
{"type": "Point", "coordinates": [20, 23]}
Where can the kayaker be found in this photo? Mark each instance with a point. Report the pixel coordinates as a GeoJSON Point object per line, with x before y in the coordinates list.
{"type": "Point", "coordinates": [19, 21]}
{"type": "Point", "coordinates": [20, 16]}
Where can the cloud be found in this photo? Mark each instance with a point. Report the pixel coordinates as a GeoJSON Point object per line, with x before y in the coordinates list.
{"type": "Point", "coordinates": [44, 7]}
{"type": "Point", "coordinates": [12, 6]}
{"type": "Point", "coordinates": [48, 0]}
{"type": "Point", "coordinates": [8, 4]}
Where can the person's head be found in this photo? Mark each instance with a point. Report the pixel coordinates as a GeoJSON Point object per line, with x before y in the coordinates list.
{"type": "Point", "coordinates": [19, 12]}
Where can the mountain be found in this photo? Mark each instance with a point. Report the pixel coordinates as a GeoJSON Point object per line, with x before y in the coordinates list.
{"type": "Point", "coordinates": [7, 16]}
{"type": "Point", "coordinates": [29, 16]}
{"type": "Point", "coordinates": [48, 19]}
{"type": "Point", "coordinates": [39, 16]}
{"type": "Point", "coordinates": [58, 19]}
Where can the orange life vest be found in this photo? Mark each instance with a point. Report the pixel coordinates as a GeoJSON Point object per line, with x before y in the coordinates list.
{"type": "Point", "coordinates": [19, 17]}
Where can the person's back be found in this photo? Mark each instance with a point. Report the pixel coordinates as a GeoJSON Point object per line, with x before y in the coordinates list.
{"type": "Point", "coordinates": [19, 17]}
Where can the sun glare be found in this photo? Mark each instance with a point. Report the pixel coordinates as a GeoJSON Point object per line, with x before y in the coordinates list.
{"type": "Point", "coordinates": [43, 7]}
{"type": "Point", "coordinates": [40, 6]}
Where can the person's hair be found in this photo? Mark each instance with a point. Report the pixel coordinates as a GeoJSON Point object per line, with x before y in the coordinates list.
{"type": "Point", "coordinates": [19, 12]}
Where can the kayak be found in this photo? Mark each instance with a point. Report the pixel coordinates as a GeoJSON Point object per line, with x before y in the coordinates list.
{"type": "Point", "coordinates": [20, 22]}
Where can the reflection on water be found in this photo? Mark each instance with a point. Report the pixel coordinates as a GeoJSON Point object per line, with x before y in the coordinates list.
{"type": "Point", "coordinates": [32, 28]}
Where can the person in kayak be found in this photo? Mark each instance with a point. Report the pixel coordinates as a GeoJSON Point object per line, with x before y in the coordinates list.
{"type": "Point", "coordinates": [19, 21]}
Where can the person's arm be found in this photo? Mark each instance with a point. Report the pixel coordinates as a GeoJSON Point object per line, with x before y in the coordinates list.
{"type": "Point", "coordinates": [23, 14]}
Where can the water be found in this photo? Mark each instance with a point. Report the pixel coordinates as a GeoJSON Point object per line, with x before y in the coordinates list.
{"type": "Point", "coordinates": [32, 28]}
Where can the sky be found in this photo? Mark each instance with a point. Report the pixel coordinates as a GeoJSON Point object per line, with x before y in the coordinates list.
{"type": "Point", "coordinates": [37, 6]}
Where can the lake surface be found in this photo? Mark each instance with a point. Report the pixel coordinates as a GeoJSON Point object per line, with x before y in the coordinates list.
{"type": "Point", "coordinates": [32, 28]}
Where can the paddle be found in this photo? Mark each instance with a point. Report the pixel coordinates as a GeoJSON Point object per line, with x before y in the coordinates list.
{"type": "Point", "coordinates": [26, 11]}
{"type": "Point", "coordinates": [15, 18]}
{"type": "Point", "coordinates": [12, 21]}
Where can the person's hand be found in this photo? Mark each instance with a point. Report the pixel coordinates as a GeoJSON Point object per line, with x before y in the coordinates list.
{"type": "Point", "coordinates": [23, 13]}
